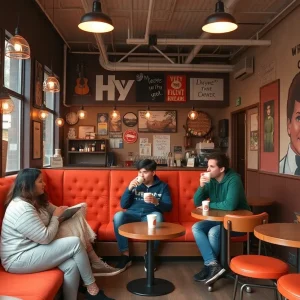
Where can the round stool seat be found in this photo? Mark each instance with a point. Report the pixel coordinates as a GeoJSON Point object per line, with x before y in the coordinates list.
{"type": "Point", "coordinates": [289, 287]}
{"type": "Point", "coordinates": [258, 266]}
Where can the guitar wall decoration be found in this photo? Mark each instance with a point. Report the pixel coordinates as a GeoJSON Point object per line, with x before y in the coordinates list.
{"type": "Point", "coordinates": [81, 87]}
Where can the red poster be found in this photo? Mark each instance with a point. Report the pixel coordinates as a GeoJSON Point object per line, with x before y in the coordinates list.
{"type": "Point", "coordinates": [176, 88]}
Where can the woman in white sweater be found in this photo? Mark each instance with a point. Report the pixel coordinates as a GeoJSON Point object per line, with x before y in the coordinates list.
{"type": "Point", "coordinates": [29, 240]}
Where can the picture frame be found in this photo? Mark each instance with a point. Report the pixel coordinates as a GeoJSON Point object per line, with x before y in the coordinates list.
{"type": "Point", "coordinates": [83, 131]}
{"type": "Point", "coordinates": [160, 121]}
{"type": "Point", "coordinates": [130, 119]}
{"type": "Point", "coordinates": [102, 124]}
{"type": "Point", "coordinates": [38, 85]}
{"type": "Point", "coordinates": [269, 127]}
{"type": "Point", "coordinates": [36, 140]}
{"type": "Point", "coordinates": [254, 132]}
{"type": "Point", "coordinates": [115, 124]}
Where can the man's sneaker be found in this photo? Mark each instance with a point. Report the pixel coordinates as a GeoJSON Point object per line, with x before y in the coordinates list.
{"type": "Point", "coordinates": [202, 275]}
{"type": "Point", "coordinates": [154, 262]}
{"type": "Point", "coordinates": [214, 273]}
{"type": "Point", "coordinates": [99, 296]}
{"type": "Point", "coordinates": [101, 268]}
{"type": "Point", "coordinates": [124, 262]}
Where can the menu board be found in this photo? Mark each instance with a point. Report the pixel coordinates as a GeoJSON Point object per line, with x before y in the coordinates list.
{"type": "Point", "coordinates": [150, 87]}
{"type": "Point", "coordinates": [161, 145]}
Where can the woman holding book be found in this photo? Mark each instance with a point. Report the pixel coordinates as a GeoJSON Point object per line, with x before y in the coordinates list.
{"type": "Point", "coordinates": [33, 238]}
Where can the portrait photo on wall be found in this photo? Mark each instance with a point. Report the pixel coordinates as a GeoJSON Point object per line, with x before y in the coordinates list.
{"type": "Point", "coordinates": [290, 142]}
{"type": "Point", "coordinates": [269, 127]}
{"type": "Point", "coordinates": [102, 124]}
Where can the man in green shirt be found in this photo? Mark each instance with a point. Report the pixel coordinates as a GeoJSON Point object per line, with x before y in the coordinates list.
{"type": "Point", "coordinates": [226, 192]}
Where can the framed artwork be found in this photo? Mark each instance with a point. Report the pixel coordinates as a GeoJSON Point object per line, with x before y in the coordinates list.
{"type": "Point", "coordinates": [102, 124]}
{"type": "Point", "coordinates": [130, 119]}
{"type": "Point", "coordinates": [254, 132]}
{"type": "Point", "coordinates": [115, 124]}
{"type": "Point", "coordinates": [36, 140]}
{"type": "Point", "coordinates": [84, 131]}
{"type": "Point", "coordinates": [38, 85]}
{"type": "Point", "coordinates": [160, 121]}
{"type": "Point", "coordinates": [269, 127]}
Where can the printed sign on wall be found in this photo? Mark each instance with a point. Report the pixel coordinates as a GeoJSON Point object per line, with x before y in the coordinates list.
{"type": "Point", "coordinates": [176, 88]}
{"type": "Point", "coordinates": [207, 89]}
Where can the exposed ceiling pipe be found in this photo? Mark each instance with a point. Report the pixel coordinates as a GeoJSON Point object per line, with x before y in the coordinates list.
{"type": "Point", "coordinates": [207, 42]}
{"type": "Point", "coordinates": [230, 4]}
{"type": "Point", "coordinates": [65, 77]}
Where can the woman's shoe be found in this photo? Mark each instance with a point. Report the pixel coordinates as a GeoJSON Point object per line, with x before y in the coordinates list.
{"type": "Point", "coordinates": [99, 296]}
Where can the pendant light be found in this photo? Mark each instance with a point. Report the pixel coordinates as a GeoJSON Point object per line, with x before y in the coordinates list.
{"type": "Point", "coordinates": [193, 114]}
{"type": "Point", "coordinates": [59, 122]}
{"type": "Point", "coordinates": [115, 114]}
{"type": "Point", "coordinates": [96, 21]}
{"type": "Point", "coordinates": [82, 114]}
{"type": "Point", "coordinates": [6, 104]}
{"type": "Point", "coordinates": [43, 113]}
{"type": "Point", "coordinates": [17, 47]}
{"type": "Point", "coordinates": [148, 113]}
{"type": "Point", "coordinates": [220, 22]}
{"type": "Point", "coordinates": [51, 84]}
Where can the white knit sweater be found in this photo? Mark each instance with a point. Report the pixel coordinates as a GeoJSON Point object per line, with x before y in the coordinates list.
{"type": "Point", "coordinates": [23, 228]}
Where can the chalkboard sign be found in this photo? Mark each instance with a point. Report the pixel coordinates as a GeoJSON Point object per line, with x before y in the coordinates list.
{"type": "Point", "coordinates": [150, 87]}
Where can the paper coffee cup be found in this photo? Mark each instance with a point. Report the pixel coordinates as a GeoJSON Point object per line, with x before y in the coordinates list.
{"type": "Point", "coordinates": [140, 180]}
{"type": "Point", "coordinates": [151, 219]}
{"type": "Point", "coordinates": [207, 176]}
{"type": "Point", "coordinates": [205, 205]}
{"type": "Point", "coordinates": [146, 195]}
{"type": "Point", "coordinates": [205, 213]}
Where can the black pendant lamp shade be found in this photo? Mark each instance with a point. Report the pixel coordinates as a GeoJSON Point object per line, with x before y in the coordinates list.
{"type": "Point", "coordinates": [96, 21]}
{"type": "Point", "coordinates": [220, 21]}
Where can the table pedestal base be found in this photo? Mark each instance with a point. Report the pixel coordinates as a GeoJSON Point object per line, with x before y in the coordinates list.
{"type": "Point", "coordinates": [159, 287]}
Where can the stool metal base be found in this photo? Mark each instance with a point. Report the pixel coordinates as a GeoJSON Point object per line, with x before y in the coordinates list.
{"type": "Point", "coordinates": [159, 287]}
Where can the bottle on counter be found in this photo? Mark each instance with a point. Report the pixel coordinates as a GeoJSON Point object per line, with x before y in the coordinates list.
{"type": "Point", "coordinates": [94, 147]}
{"type": "Point", "coordinates": [102, 146]}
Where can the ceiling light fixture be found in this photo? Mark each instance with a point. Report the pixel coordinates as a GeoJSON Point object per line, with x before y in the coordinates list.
{"type": "Point", "coordinates": [220, 21]}
{"type": "Point", "coordinates": [148, 113]}
{"type": "Point", "coordinates": [59, 122]}
{"type": "Point", "coordinates": [193, 114]}
{"type": "Point", "coordinates": [82, 114]}
{"type": "Point", "coordinates": [43, 113]}
{"type": "Point", "coordinates": [115, 114]}
{"type": "Point", "coordinates": [96, 21]}
{"type": "Point", "coordinates": [6, 104]}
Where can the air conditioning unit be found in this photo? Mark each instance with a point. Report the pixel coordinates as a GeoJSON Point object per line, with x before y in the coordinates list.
{"type": "Point", "coordinates": [244, 68]}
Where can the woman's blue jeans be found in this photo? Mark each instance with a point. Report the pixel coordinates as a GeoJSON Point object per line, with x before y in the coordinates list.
{"type": "Point", "coordinates": [124, 217]}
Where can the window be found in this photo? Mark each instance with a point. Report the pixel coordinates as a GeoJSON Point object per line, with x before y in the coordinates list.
{"type": "Point", "coordinates": [48, 126]}
{"type": "Point", "coordinates": [11, 123]}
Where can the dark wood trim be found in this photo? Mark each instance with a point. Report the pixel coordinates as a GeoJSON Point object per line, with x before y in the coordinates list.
{"type": "Point", "coordinates": [252, 170]}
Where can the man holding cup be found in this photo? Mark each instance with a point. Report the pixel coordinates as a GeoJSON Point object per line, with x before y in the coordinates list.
{"type": "Point", "coordinates": [225, 191]}
{"type": "Point", "coordinates": [146, 194]}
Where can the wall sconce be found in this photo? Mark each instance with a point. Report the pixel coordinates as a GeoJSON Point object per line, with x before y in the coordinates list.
{"type": "Point", "coordinates": [96, 21]}
{"type": "Point", "coordinates": [193, 114]}
{"type": "Point", "coordinates": [6, 104]}
{"type": "Point", "coordinates": [43, 113]}
{"type": "Point", "coordinates": [82, 114]}
{"type": "Point", "coordinates": [115, 114]}
{"type": "Point", "coordinates": [148, 114]}
{"type": "Point", "coordinates": [59, 122]}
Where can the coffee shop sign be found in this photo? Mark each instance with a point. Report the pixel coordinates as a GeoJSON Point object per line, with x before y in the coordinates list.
{"type": "Point", "coordinates": [207, 89]}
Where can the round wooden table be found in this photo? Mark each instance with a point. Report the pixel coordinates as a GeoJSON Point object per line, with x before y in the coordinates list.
{"type": "Point", "coordinates": [259, 201]}
{"type": "Point", "coordinates": [218, 215]}
{"type": "Point", "coordinates": [151, 286]}
{"type": "Point", "coordinates": [284, 234]}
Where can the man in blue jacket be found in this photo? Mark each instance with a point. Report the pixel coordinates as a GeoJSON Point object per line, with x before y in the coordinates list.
{"type": "Point", "coordinates": [158, 202]}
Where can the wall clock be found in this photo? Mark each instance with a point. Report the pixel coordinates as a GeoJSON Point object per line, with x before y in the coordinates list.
{"type": "Point", "coordinates": [199, 127]}
{"type": "Point", "coordinates": [72, 118]}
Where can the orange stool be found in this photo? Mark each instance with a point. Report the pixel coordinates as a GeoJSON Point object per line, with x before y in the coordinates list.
{"type": "Point", "coordinates": [289, 286]}
{"type": "Point", "coordinates": [252, 266]}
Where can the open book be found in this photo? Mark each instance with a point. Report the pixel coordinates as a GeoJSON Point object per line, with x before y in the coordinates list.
{"type": "Point", "coordinates": [70, 211]}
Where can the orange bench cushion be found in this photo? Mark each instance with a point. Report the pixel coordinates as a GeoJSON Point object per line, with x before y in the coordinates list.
{"type": "Point", "coordinates": [42, 285]}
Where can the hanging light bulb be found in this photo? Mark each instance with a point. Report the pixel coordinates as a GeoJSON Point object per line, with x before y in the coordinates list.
{"type": "Point", "coordinates": [148, 114]}
{"type": "Point", "coordinates": [193, 114]}
{"type": "Point", "coordinates": [115, 114]}
{"type": "Point", "coordinates": [43, 113]}
{"type": "Point", "coordinates": [51, 85]}
{"type": "Point", "coordinates": [17, 47]}
{"type": "Point", "coordinates": [6, 104]}
{"type": "Point", "coordinates": [82, 114]}
{"type": "Point", "coordinates": [96, 21]}
{"type": "Point", "coordinates": [59, 122]}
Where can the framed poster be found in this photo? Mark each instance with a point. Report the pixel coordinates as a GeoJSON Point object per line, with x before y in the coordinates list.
{"type": "Point", "coordinates": [38, 85]}
{"type": "Point", "coordinates": [36, 140]}
{"type": "Point", "coordinates": [269, 127]}
{"type": "Point", "coordinates": [102, 124]}
{"type": "Point", "coordinates": [130, 119]}
{"type": "Point", "coordinates": [115, 124]}
{"type": "Point", "coordinates": [254, 132]}
{"type": "Point", "coordinates": [164, 121]}
{"type": "Point", "coordinates": [84, 131]}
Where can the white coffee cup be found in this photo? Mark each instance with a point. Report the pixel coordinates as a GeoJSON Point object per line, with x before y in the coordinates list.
{"type": "Point", "coordinates": [206, 175]}
{"type": "Point", "coordinates": [140, 180]}
{"type": "Point", "coordinates": [146, 195]}
{"type": "Point", "coordinates": [151, 219]}
{"type": "Point", "coordinates": [205, 213]}
{"type": "Point", "coordinates": [205, 205]}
